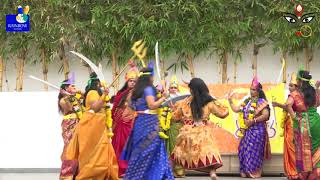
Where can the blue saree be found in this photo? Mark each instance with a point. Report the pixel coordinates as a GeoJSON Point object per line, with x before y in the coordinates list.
{"type": "Point", "coordinates": [145, 151]}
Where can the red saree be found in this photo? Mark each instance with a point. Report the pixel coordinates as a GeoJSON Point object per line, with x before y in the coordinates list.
{"type": "Point", "coordinates": [123, 118]}
{"type": "Point", "coordinates": [68, 167]}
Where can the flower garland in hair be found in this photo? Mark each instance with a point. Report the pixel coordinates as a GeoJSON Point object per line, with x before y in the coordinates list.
{"type": "Point", "coordinates": [311, 81]}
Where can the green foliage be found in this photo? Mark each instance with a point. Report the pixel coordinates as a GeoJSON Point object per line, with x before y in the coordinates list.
{"type": "Point", "coordinates": [44, 34]}
{"type": "Point", "coordinates": [5, 8]}
{"type": "Point", "coordinates": [185, 27]}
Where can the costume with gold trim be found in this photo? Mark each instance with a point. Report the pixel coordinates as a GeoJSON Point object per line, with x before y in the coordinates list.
{"type": "Point", "coordinates": [123, 119]}
{"type": "Point", "coordinates": [70, 120]}
{"type": "Point", "coordinates": [196, 145]}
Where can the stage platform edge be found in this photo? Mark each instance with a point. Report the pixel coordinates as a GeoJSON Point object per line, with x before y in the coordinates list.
{"type": "Point", "coordinates": [270, 167]}
{"type": "Point", "coordinates": [273, 167]}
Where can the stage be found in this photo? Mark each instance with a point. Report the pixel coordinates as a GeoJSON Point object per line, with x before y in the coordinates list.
{"type": "Point", "coordinates": [272, 170]}
{"type": "Point", "coordinates": [273, 167]}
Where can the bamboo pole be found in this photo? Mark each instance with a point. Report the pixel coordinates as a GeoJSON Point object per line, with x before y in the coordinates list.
{"type": "Point", "coordinates": [284, 72]}
{"type": "Point", "coordinates": [114, 70]}
{"type": "Point", "coordinates": [64, 60]}
{"type": "Point", "coordinates": [235, 68]}
{"type": "Point", "coordinates": [44, 67]}
{"type": "Point", "coordinates": [190, 64]}
{"type": "Point", "coordinates": [163, 69]}
{"type": "Point", "coordinates": [1, 73]}
{"type": "Point", "coordinates": [224, 67]}
{"type": "Point", "coordinates": [5, 74]}
{"type": "Point", "coordinates": [117, 73]}
{"type": "Point", "coordinates": [255, 59]}
{"type": "Point", "coordinates": [308, 57]}
{"type": "Point", "coordinates": [20, 66]}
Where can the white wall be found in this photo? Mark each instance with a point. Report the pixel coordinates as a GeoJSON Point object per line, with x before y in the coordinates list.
{"type": "Point", "coordinates": [206, 67]}
{"type": "Point", "coordinates": [30, 132]}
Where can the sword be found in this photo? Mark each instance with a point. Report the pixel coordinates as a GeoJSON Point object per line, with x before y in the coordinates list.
{"type": "Point", "coordinates": [174, 100]}
{"type": "Point", "coordinates": [157, 57]}
{"type": "Point", "coordinates": [49, 84]}
{"type": "Point", "coordinates": [282, 68]}
{"type": "Point", "coordinates": [274, 112]}
{"type": "Point", "coordinates": [97, 70]}
{"type": "Point", "coordinates": [278, 81]}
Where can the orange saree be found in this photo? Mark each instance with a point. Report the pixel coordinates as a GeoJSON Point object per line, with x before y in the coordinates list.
{"type": "Point", "coordinates": [289, 159]}
{"type": "Point", "coordinates": [92, 148]}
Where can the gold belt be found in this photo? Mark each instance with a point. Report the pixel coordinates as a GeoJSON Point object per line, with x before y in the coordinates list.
{"type": "Point", "coordinates": [148, 111]}
{"type": "Point", "coordinates": [70, 116]}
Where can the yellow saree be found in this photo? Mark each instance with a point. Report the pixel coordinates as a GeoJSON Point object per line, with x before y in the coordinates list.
{"type": "Point", "coordinates": [92, 147]}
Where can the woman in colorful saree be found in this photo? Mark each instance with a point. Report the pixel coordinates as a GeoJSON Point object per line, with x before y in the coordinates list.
{"type": "Point", "coordinates": [145, 151]}
{"type": "Point", "coordinates": [289, 160]}
{"type": "Point", "coordinates": [123, 117]}
{"type": "Point", "coordinates": [254, 147]}
{"type": "Point", "coordinates": [196, 146]}
{"type": "Point", "coordinates": [306, 127]}
{"type": "Point", "coordinates": [68, 105]}
{"type": "Point", "coordinates": [91, 145]}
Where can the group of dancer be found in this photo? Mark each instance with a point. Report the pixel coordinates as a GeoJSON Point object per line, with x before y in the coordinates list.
{"type": "Point", "coordinates": [133, 148]}
{"type": "Point", "coordinates": [302, 128]}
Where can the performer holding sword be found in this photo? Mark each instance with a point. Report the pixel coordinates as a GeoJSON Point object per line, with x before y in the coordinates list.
{"type": "Point", "coordinates": [69, 104]}
{"type": "Point", "coordinates": [91, 145]}
{"type": "Point", "coordinates": [145, 150]}
{"type": "Point", "coordinates": [70, 107]}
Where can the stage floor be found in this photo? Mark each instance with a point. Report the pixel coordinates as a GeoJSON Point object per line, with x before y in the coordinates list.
{"type": "Point", "coordinates": [55, 176]}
